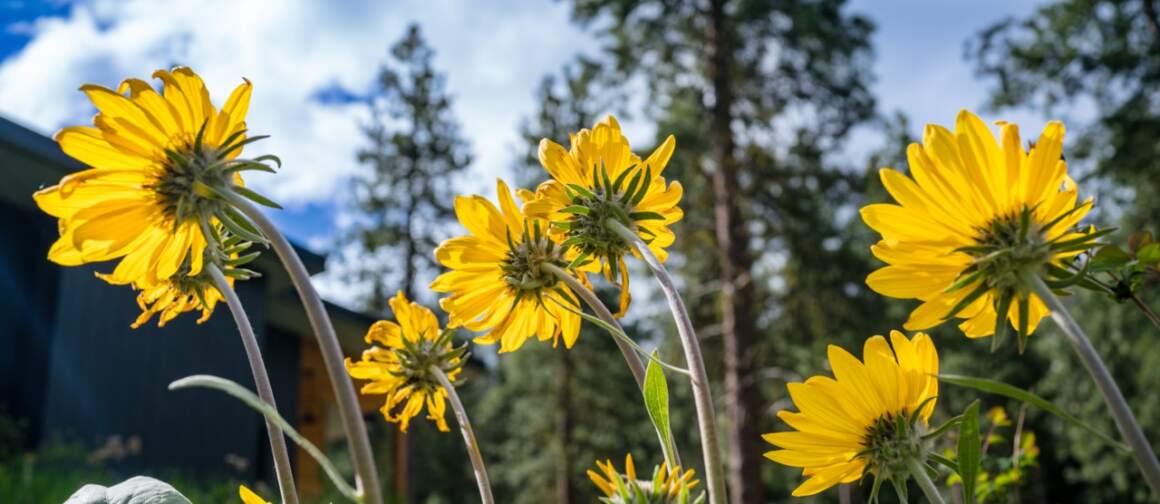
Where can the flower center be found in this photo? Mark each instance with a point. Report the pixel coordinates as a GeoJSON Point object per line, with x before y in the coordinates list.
{"type": "Point", "coordinates": [1008, 245]}
{"type": "Point", "coordinates": [592, 235]}
{"type": "Point", "coordinates": [608, 199]}
{"type": "Point", "coordinates": [890, 443]}
{"type": "Point", "coordinates": [419, 355]}
{"type": "Point", "coordinates": [185, 174]}
{"type": "Point", "coordinates": [523, 267]}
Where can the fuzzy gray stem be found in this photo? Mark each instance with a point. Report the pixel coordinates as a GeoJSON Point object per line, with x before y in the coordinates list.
{"type": "Point", "coordinates": [589, 297]}
{"type": "Point", "coordinates": [366, 476]}
{"type": "Point", "coordinates": [468, 436]}
{"type": "Point", "coordinates": [702, 395]}
{"type": "Point", "coordinates": [630, 354]}
{"type": "Point", "coordinates": [924, 482]}
{"type": "Point", "coordinates": [278, 449]}
{"type": "Point", "coordinates": [1129, 427]}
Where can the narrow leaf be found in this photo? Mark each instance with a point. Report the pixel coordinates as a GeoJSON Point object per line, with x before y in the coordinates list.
{"type": "Point", "coordinates": [970, 451]}
{"type": "Point", "coordinates": [1018, 394]}
{"type": "Point", "coordinates": [656, 401]}
{"type": "Point", "coordinates": [255, 197]}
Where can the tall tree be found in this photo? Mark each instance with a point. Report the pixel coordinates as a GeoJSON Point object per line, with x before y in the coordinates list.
{"type": "Point", "coordinates": [568, 102]}
{"type": "Point", "coordinates": [745, 65]}
{"type": "Point", "coordinates": [402, 200]}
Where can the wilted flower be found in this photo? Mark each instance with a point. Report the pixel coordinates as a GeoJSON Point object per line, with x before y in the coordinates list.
{"type": "Point", "coordinates": [401, 363]}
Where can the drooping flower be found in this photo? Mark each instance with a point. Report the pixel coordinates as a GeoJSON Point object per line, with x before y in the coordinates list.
{"type": "Point", "coordinates": [667, 485]}
{"type": "Point", "coordinates": [157, 164]}
{"type": "Point", "coordinates": [400, 364]}
{"type": "Point", "coordinates": [597, 179]}
{"type": "Point", "coordinates": [249, 497]}
{"type": "Point", "coordinates": [868, 418]}
{"type": "Point", "coordinates": [497, 282]}
{"type": "Point", "coordinates": [976, 215]}
{"type": "Point", "coordinates": [175, 295]}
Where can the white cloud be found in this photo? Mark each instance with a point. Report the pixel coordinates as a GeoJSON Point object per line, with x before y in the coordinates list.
{"type": "Point", "coordinates": [494, 55]}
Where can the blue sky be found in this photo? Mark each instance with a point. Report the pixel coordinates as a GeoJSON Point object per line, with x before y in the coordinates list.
{"type": "Point", "coordinates": [305, 56]}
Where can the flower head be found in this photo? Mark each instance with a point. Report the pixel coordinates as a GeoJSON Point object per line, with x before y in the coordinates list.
{"type": "Point", "coordinates": [667, 485]}
{"type": "Point", "coordinates": [249, 497]}
{"type": "Point", "coordinates": [400, 364]}
{"type": "Point", "coordinates": [170, 297]}
{"type": "Point", "coordinates": [599, 179]}
{"type": "Point", "coordinates": [976, 216]}
{"type": "Point", "coordinates": [497, 281]}
{"type": "Point", "coordinates": [157, 164]}
{"type": "Point", "coordinates": [869, 417]}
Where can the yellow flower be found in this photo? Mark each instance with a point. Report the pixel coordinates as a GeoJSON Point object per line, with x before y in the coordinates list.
{"type": "Point", "coordinates": [496, 281]}
{"type": "Point", "coordinates": [249, 497]}
{"type": "Point", "coordinates": [400, 363]}
{"type": "Point", "coordinates": [175, 295]}
{"type": "Point", "coordinates": [148, 155]}
{"type": "Point", "coordinates": [598, 179]}
{"type": "Point", "coordinates": [864, 418]}
{"type": "Point", "coordinates": [974, 215]}
{"type": "Point", "coordinates": [668, 485]}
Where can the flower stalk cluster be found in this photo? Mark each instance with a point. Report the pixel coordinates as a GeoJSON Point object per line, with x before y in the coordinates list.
{"type": "Point", "coordinates": [982, 230]}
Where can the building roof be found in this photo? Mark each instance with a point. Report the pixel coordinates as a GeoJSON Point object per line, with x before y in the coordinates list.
{"type": "Point", "coordinates": [32, 161]}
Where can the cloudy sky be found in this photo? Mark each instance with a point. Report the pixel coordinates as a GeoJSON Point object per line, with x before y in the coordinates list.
{"type": "Point", "coordinates": [296, 52]}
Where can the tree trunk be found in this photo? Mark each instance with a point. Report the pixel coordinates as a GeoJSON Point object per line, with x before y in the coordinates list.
{"type": "Point", "coordinates": [403, 455]}
{"type": "Point", "coordinates": [563, 427]}
{"type": "Point", "coordinates": [739, 331]}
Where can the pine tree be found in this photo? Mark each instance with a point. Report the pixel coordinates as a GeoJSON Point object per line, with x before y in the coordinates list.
{"type": "Point", "coordinates": [732, 69]}
{"type": "Point", "coordinates": [402, 202]}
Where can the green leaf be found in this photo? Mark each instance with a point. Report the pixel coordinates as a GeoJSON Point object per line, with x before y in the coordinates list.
{"type": "Point", "coordinates": [946, 462]}
{"type": "Point", "coordinates": [1024, 316]}
{"type": "Point", "coordinates": [656, 401]}
{"type": "Point", "coordinates": [646, 216]}
{"type": "Point", "coordinates": [1109, 258]}
{"type": "Point", "coordinates": [576, 209]}
{"type": "Point", "coordinates": [1001, 310]}
{"type": "Point", "coordinates": [255, 197]}
{"type": "Point", "coordinates": [239, 225]}
{"type": "Point", "coordinates": [581, 190]}
{"type": "Point", "coordinates": [970, 451]}
{"type": "Point", "coordinates": [966, 301]}
{"type": "Point", "coordinates": [1018, 394]}
{"type": "Point", "coordinates": [1149, 254]}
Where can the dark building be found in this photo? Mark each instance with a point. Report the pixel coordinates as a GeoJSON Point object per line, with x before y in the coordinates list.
{"type": "Point", "coordinates": [71, 367]}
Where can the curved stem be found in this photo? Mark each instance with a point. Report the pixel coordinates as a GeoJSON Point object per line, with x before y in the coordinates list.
{"type": "Point", "coordinates": [589, 297]}
{"type": "Point", "coordinates": [468, 436]}
{"type": "Point", "coordinates": [271, 414]}
{"type": "Point", "coordinates": [924, 482]}
{"type": "Point", "coordinates": [702, 395]}
{"type": "Point", "coordinates": [367, 477]}
{"type": "Point", "coordinates": [278, 449]}
{"type": "Point", "coordinates": [1146, 309]}
{"type": "Point", "coordinates": [1129, 427]}
{"type": "Point", "coordinates": [626, 345]}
